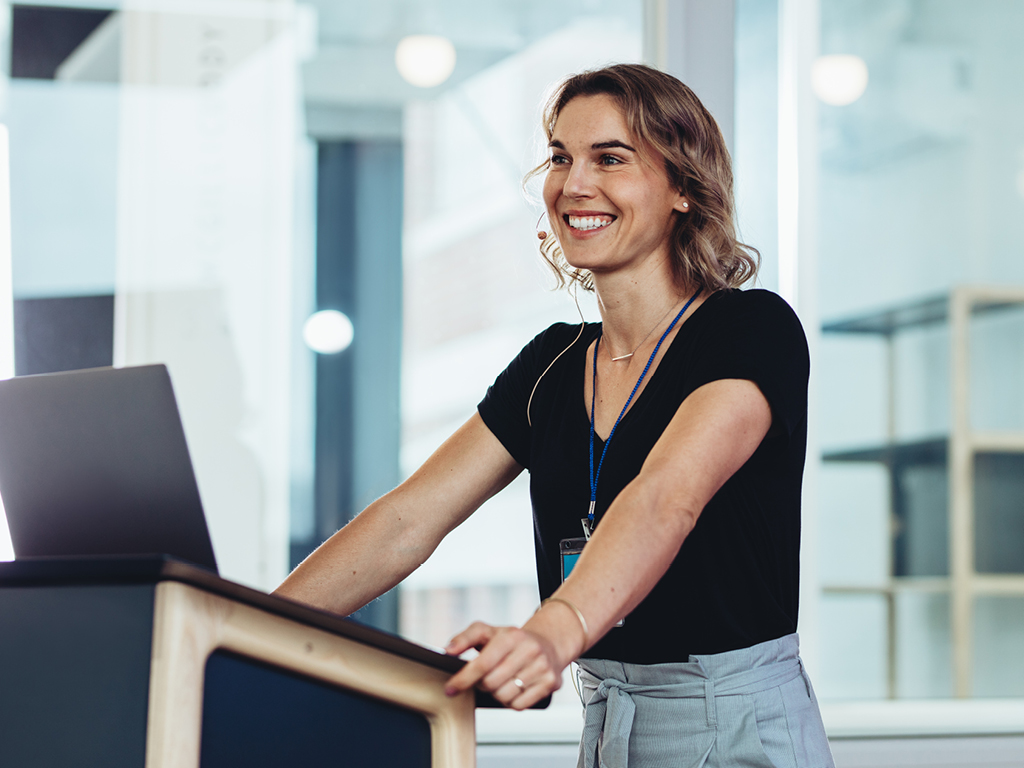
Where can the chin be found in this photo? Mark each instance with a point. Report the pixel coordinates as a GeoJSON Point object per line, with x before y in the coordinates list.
{"type": "Point", "coordinates": [589, 265]}
{"type": "Point", "coordinates": [589, 261]}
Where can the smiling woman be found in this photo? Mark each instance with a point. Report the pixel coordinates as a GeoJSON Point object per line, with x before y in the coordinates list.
{"type": "Point", "coordinates": [679, 602]}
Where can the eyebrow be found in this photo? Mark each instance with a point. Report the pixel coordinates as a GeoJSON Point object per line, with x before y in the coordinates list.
{"type": "Point", "coordinates": [613, 144]}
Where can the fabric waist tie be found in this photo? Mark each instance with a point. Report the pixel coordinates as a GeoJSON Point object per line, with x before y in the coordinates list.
{"type": "Point", "coordinates": [611, 709]}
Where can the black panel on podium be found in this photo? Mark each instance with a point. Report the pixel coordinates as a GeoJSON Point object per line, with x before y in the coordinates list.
{"type": "Point", "coordinates": [325, 725]}
{"type": "Point", "coordinates": [74, 674]}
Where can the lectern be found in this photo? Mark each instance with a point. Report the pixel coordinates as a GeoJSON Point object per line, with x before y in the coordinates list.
{"type": "Point", "coordinates": [148, 661]}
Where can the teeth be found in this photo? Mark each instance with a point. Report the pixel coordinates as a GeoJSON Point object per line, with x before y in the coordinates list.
{"type": "Point", "coordinates": [588, 222]}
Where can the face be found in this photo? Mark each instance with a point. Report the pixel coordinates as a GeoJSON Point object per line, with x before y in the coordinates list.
{"type": "Point", "coordinates": [609, 199]}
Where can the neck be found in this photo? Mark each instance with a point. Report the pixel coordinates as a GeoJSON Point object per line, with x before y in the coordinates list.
{"type": "Point", "coordinates": [631, 308]}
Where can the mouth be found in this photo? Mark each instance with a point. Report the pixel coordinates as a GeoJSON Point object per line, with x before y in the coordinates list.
{"type": "Point", "coordinates": [588, 223]}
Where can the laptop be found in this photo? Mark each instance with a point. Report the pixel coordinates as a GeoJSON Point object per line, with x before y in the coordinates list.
{"type": "Point", "coordinates": [94, 462]}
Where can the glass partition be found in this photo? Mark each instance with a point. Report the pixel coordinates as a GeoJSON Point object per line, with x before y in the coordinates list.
{"type": "Point", "coordinates": [921, 291]}
{"type": "Point", "coordinates": [190, 185]}
{"type": "Point", "coordinates": [153, 177]}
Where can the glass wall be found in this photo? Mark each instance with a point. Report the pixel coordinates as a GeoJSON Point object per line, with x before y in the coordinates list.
{"type": "Point", "coordinates": [153, 185]}
{"type": "Point", "coordinates": [190, 185]}
{"type": "Point", "coordinates": [921, 291]}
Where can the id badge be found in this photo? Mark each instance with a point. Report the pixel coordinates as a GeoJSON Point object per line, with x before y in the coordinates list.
{"type": "Point", "coordinates": [570, 551]}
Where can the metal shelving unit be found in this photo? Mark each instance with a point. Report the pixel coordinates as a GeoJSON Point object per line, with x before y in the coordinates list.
{"type": "Point", "coordinates": [961, 455]}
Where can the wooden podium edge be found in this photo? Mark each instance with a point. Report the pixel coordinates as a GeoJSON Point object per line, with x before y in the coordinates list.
{"type": "Point", "coordinates": [189, 624]}
{"type": "Point", "coordinates": [155, 569]}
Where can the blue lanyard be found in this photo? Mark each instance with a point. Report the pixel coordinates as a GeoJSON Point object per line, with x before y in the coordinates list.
{"type": "Point", "coordinates": [593, 399]}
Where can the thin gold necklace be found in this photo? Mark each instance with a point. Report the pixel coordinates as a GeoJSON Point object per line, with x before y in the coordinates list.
{"type": "Point", "coordinates": [645, 338]}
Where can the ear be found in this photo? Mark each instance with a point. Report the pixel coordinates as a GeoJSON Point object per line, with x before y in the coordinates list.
{"type": "Point", "coordinates": [682, 204]}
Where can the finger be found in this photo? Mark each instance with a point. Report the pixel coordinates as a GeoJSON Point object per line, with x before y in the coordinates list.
{"type": "Point", "coordinates": [543, 674]}
{"type": "Point", "coordinates": [524, 653]}
{"type": "Point", "coordinates": [538, 680]}
{"type": "Point", "coordinates": [510, 690]}
{"type": "Point", "coordinates": [471, 674]}
{"type": "Point", "coordinates": [511, 679]}
{"type": "Point", "coordinates": [546, 684]}
{"type": "Point", "coordinates": [476, 635]}
{"type": "Point", "coordinates": [529, 697]}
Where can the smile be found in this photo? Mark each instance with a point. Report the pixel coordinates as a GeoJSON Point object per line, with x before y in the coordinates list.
{"type": "Point", "coordinates": [588, 223]}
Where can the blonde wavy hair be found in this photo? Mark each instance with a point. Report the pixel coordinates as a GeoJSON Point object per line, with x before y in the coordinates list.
{"type": "Point", "coordinates": [669, 118]}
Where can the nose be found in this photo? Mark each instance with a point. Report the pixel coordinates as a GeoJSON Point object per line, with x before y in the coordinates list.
{"type": "Point", "coordinates": [580, 181]}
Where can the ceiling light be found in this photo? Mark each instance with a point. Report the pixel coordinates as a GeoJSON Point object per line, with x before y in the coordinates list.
{"type": "Point", "coordinates": [327, 332]}
{"type": "Point", "coordinates": [839, 80]}
{"type": "Point", "coordinates": [425, 60]}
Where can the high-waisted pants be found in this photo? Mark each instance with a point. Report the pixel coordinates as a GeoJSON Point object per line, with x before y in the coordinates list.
{"type": "Point", "coordinates": [752, 707]}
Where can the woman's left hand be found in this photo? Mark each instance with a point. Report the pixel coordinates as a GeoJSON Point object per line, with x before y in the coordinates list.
{"type": "Point", "coordinates": [519, 667]}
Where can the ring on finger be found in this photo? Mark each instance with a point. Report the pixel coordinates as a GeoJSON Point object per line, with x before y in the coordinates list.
{"type": "Point", "coordinates": [519, 684]}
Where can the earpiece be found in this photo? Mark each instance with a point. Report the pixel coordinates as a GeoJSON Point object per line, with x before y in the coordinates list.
{"type": "Point", "coordinates": [541, 234]}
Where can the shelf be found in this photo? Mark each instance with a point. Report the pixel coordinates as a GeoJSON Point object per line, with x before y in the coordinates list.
{"type": "Point", "coordinates": [898, 584]}
{"type": "Point", "coordinates": [997, 442]}
{"type": "Point", "coordinates": [931, 452]}
{"type": "Point", "coordinates": [955, 500]}
{"type": "Point", "coordinates": [929, 311]}
{"type": "Point", "coordinates": [998, 584]}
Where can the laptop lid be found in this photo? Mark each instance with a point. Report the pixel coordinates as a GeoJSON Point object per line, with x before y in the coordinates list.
{"type": "Point", "coordinates": [94, 462]}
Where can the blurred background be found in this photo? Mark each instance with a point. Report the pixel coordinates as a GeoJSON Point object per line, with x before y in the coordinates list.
{"type": "Point", "coordinates": [314, 214]}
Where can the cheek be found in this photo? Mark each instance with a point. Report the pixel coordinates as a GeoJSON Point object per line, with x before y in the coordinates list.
{"type": "Point", "coordinates": [659, 207]}
{"type": "Point", "coordinates": [552, 189]}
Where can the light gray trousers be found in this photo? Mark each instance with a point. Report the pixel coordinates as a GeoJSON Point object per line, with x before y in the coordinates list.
{"type": "Point", "coordinates": [752, 707]}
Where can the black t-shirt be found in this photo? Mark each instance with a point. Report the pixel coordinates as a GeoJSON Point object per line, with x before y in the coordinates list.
{"type": "Point", "coordinates": [735, 581]}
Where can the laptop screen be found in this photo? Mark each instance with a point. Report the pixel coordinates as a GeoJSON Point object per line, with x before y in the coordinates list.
{"type": "Point", "coordinates": [94, 462]}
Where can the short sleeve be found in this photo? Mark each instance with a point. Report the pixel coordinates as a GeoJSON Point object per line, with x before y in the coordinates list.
{"type": "Point", "coordinates": [503, 408]}
{"type": "Point", "coordinates": [757, 336]}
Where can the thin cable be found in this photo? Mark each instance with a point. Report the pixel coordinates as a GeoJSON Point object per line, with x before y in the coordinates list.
{"type": "Point", "coordinates": [574, 675]}
{"type": "Point", "coordinates": [583, 324]}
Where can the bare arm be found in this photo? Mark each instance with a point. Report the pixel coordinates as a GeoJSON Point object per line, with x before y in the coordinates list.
{"type": "Point", "coordinates": [395, 534]}
{"type": "Point", "coordinates": [715, 430]}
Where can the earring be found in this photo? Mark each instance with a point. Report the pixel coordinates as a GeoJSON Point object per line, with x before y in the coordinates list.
{"type": "Point", "coordinates": [686, 206]}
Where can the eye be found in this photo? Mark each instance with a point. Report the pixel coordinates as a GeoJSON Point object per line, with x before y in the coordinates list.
{"type": "Point", "coordinates": [559, 160]}
{"type": "Point", "coordinates": [610, 160]}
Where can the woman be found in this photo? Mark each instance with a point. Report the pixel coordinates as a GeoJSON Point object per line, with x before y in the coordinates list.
{"type": "Point", "coordinates": [674, 430]}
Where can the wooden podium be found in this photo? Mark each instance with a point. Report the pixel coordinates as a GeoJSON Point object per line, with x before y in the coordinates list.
{"type": "Point", "coordinates": [148, 661]}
